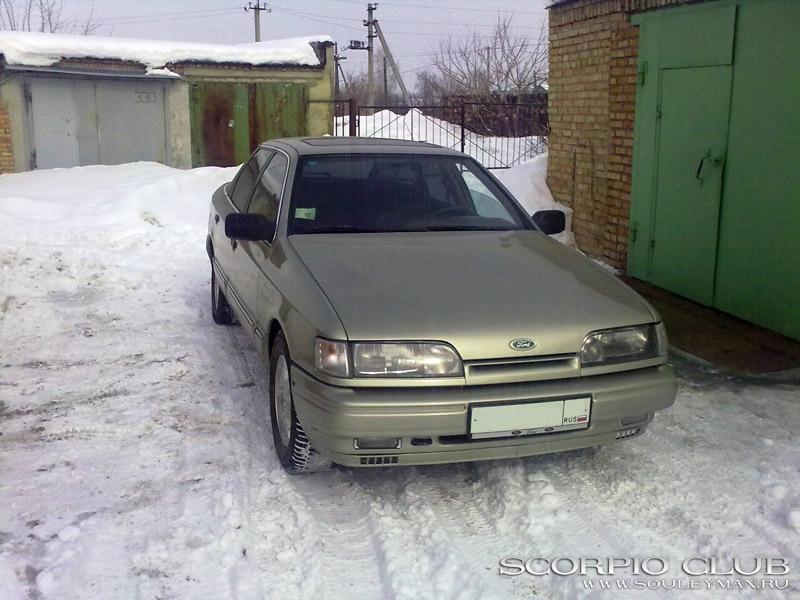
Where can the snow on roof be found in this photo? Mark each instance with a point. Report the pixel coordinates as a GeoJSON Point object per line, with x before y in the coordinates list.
{"type": "Point", "coordinates": [46, 49]}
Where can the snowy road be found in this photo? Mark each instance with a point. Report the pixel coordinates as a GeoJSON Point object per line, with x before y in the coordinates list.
{"type": "Point", "coordinates": [135, 459]}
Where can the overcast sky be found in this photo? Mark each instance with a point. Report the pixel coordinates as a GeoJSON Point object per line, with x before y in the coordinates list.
{"type": "Point", "coordinates": [413, 29]}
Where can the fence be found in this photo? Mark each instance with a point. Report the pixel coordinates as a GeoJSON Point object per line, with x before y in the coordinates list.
{"type": "Point", "coordinates": [499, 135]}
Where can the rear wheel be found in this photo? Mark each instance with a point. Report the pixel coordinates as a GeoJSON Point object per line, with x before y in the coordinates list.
{"type": "Point", "coordinates": [292, 445]}
{"type": "Point", "coordinates": [220, 309]}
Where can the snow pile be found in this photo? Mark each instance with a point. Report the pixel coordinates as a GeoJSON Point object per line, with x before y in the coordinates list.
{"type": "Point", "coordinates": [137, 460]}
{"type": "Point", "coordinates": [135, 195]}
{"type": "Point", "coordinates": [528, 183]}
{"type": "Point", "coordinates": [414, 125]}
{"type": "Point", "coordinates": [45, 49]}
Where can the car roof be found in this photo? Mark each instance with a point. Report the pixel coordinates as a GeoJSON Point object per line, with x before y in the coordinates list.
{"type": "Point", "coordinates": [307, 146]}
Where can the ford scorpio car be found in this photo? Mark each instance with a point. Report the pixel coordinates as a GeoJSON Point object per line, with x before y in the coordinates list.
{"type": "Point", "coordinates": [410, 311]}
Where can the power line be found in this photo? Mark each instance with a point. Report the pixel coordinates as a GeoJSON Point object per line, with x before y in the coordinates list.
{"type": "Point", "coordinates": [155, 16]}
{"type": "Point", "coordinates": [313, 17]}
{"type": "Point", "coordinates": [438, 7]}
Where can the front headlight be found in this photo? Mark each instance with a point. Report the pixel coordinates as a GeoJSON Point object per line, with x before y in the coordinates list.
{"type": "Point", "coordinates": [613, 346]}
{"type": "Point", "coordinates": [405, 360]}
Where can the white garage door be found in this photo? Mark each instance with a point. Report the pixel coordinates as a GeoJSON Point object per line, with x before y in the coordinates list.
{"type": "Point", "coordinates": [84, 122]}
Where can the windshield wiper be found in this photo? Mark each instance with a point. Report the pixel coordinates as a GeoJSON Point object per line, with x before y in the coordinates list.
{"type": "Point", "coordinates": [463, 228]}
{"type": "Point", "coordinates": [337, 229]}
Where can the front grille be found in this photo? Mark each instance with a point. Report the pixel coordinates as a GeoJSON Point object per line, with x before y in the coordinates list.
{"type": "Point", "coordinates": [516, 370]}
{"type": "Point", "coordinates": [378, 460]}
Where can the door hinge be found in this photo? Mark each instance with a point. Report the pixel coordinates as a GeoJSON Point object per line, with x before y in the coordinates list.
{"type": "Point", "coordinates": [634, 231]}
{"type": "Point", "coordinates": [652, 243]}
{"type": "Point", "coordinates": [642, 72]}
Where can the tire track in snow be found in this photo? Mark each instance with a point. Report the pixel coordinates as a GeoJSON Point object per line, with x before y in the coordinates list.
{"type": "Point", "coordinates": [422, 560]}
{"type": "Point", "coordinates": [455, 498]}
{"type": "Point", "coordinates": [351, 556]}
{"type": "Point", "coordinates": [281, 539]}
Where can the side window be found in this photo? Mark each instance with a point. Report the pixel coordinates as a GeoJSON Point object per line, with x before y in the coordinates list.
{"type": "Point", "coordinates": [267, 196]}
{"type": "Point", "coordinates": [246, 181]}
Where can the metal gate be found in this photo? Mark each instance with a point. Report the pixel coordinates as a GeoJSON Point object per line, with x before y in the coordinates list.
{"type": "Point", "coordinates": [228, 120]}
{"type": "Point", "coordinates": [83, 122]}
{"type": "Point", "coordinates": [497, 134]}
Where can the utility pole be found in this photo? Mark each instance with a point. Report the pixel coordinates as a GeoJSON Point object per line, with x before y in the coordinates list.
{"type": "Point", "coordinates": [257, 14]}
{"type": "Point", "coordinates": [387, 51]}
{"type": "Point", "coordinates": [337, 59]}
{"type": "Point", "coordinates": [370, 23]}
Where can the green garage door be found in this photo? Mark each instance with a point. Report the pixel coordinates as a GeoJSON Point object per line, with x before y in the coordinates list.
{"type": "Point", "coordinates": [715, 204]}
{"type": "Point", "coordinates": [228, 120]}
{"type": "Point", "coordinates": [758, 264]}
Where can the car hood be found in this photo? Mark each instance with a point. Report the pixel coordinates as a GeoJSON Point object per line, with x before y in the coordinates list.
{"type": "Point", "coordinates": [474, 290]}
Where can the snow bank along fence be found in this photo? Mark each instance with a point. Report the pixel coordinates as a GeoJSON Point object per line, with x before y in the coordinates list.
{"type": "Point", "coordinates": [497, 134]}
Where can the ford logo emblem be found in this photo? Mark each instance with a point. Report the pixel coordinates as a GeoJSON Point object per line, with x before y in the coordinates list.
{"type": "Point", "coordinates": [522, 344]}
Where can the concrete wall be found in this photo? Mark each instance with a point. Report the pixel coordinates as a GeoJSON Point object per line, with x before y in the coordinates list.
{"type": "Point", "coordinates": [179, 136]}
{"type": "Point", "coordinates": [591, 103]}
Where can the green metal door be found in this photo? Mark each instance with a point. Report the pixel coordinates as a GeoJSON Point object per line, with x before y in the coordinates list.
{"type": "Point", "coordinates": [229, 119]}
{"type": "Point", "coordinates": [219, 123]}
{"type": "Point", "coordinates": [279, 111]}
{"type": "Point", "coordinates": [692, 130]}
{"type": "Point", "coordinates": [758, 265]}
{"type": "Point", "coordinates": [720, 80]}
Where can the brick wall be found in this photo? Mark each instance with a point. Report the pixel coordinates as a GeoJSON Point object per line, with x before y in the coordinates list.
{"type": "Point", "coordinates": [593, 70]}
{"type": "Point", "coordinates": [6, 153]}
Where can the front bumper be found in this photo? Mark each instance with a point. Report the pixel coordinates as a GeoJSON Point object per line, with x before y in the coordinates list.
{"type": "Point", "coordinates": [333, 417]}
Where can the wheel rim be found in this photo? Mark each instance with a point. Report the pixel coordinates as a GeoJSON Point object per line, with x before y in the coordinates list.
{"type": "Point", "coordinates": [283, 400]}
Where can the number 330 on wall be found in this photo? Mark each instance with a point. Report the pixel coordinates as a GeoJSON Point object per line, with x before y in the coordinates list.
{"type": "Point", "coordinates": [145, 97]}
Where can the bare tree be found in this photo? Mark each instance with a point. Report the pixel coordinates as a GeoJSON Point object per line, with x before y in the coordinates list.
{"type": "Point", "coordinates": [45, 16]}
{"type": "Point", "coordinates": [504, 68]}
{"type": "Point", "coordinates": [504, 64]}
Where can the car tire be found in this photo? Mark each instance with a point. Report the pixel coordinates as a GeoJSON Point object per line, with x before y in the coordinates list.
{"type": "Point", "coordinates": [220, 309]}
{"type": "Point", "coordinates": [292, 445]}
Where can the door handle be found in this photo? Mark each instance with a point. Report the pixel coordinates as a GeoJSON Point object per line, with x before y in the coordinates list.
{"type": "Point", "coordinates": [716, 161]}
{"type": "Point", "coordinates": [216, 218]}
{"type": "Point", "coordinates": [234, 244]}
{"type": "Point", "coordinates": [700, 168]}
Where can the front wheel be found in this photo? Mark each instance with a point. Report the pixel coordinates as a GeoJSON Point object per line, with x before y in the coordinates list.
{"type": "Point", "coordinates": [291, 442]}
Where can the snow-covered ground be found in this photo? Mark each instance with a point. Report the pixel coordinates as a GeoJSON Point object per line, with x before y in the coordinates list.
{"type": "Point", "coordinates": [494, 152]}
{"type": "Point", "coordinates": [136, 459]}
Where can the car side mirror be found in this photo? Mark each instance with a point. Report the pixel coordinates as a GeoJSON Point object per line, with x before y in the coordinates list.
{"type": "Point", "coordinates": [248, 226]}
{"type": "Point", "coordinates": [550, 221]}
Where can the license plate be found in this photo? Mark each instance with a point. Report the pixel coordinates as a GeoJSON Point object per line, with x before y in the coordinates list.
{"type": "Point", "coordinates": [529, 418]}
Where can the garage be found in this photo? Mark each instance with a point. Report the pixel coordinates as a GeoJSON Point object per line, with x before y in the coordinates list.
{"type": "Point", "coordinates": [70, 100]}
{"type": "Point", "coordinates": [674, 132]}
{"type": "Point", "coordinates": [85, 122]}
{"type": "Point", "coordinates": [715, 203]}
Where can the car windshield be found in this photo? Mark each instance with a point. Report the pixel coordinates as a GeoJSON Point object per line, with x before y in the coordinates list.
{"type": "Point", "coordinates": [371, 193]}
